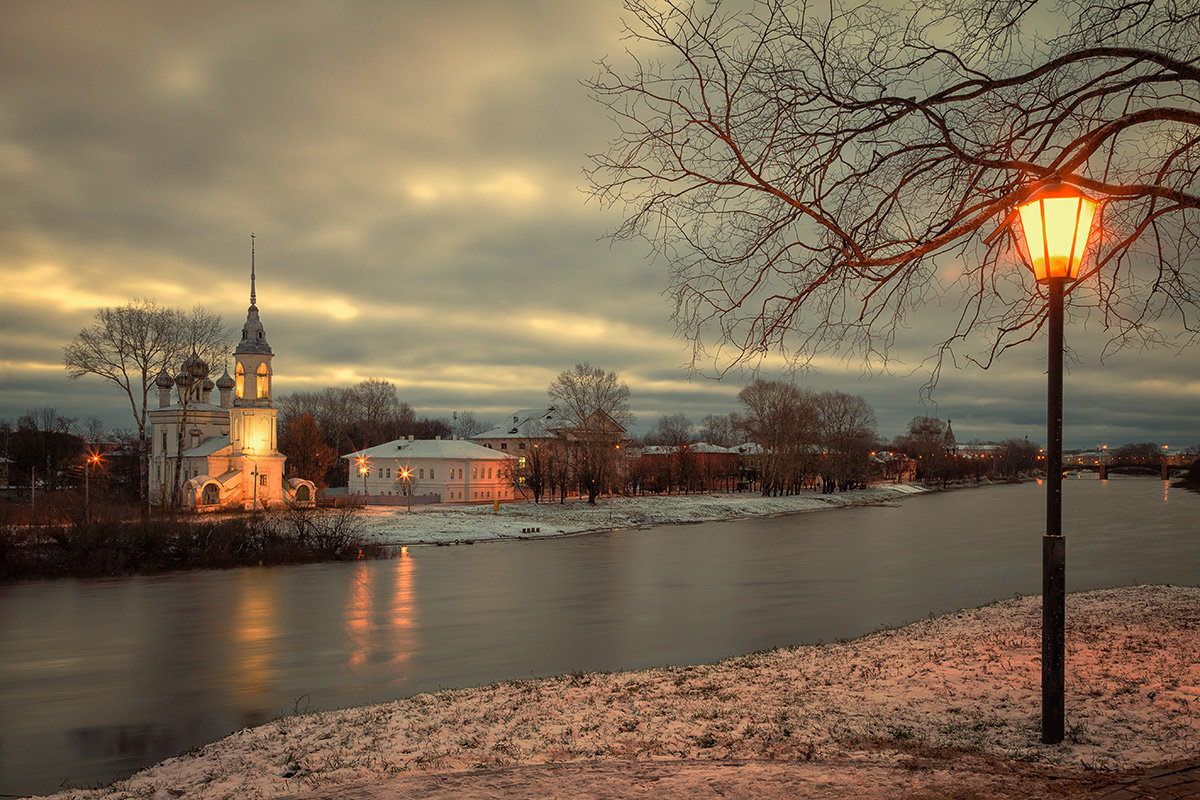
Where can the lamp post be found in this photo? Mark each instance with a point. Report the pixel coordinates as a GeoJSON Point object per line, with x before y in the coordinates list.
{"type": "Point", "coordinates": [363, 470]}
{"type": "Point", "coordinates": [406, 485]}
{"type": "Point", "coordinates": [93, 458]}
{"type": "Point", "coordinates": [1055, 221]}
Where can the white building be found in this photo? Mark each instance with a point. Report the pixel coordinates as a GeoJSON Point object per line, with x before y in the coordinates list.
{"type": "Point", "coordinates": [453, 470]}
{"type": "Point", "coordinates": [222, 455]}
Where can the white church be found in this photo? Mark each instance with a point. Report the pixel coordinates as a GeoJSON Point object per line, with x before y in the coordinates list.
{"type": "Point", "coordinates": [222, 455]}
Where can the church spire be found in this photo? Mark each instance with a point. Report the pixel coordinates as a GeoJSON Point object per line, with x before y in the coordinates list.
{"type": "Point", "coordinates": [254, 338]}
{"type": "Point", "coordinates": [252, 303]}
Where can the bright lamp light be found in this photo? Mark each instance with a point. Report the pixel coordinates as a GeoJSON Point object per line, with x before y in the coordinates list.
{"type": "Point", "coordinates": [1055, 223]}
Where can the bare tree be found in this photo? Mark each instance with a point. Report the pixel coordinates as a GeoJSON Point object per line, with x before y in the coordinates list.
{"type": "Point", "coordinates": [594, 407]}
{"type": "Point", "coordinates": [671, 430]}
{"type": "Point", "coordinates": [816, 171]}
{"type": "Point", "coordinates": [846, 430]}
{"type": "Point", "coordinates": [781, 419]}
{"type": "Point", "coordinates": [465, 425]}
{"type": "Point", "coordinates": [722, 430]}
{"type": "Point", "coordinates": [129, 345]}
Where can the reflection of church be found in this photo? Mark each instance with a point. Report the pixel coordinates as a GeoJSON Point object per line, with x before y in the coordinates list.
{"type": "Point", "coordinates": [222, 455]}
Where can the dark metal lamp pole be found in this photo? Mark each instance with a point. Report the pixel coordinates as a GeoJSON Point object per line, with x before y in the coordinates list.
{"type": "Point", "coordinates": [1055, 221]}
{"type": "Point", "coordinates": [1054, 544]}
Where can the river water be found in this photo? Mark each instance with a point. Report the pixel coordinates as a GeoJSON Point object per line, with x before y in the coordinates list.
{"type": "Point", "coordinates": [101, 677]}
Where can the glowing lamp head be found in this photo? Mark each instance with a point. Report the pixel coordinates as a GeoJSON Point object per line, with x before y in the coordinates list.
{"type": "Point", "coordinates": [1055, 222]}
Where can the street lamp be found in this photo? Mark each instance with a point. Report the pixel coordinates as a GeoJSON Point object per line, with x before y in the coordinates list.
{"type": "Point", "coordinates": [363, 470]}
{"type": "Point", "coordinates": [1055, 222]}
{"type": "Point", "coordinates": [406, 484]}
{"type": "Point", "coordinates": [93, 458]}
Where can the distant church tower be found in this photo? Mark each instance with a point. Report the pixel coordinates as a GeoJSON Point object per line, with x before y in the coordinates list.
{"type": "Point", "coordinates": [252, 417]}
{"type": "Point", "coordinates": [222, 455]}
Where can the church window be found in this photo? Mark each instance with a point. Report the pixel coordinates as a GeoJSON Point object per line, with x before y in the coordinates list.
{"type": "Point", "coordinates": [503, 445]}
{"type": "Point", "coordinates": [241, 381]}
{"type": "Point", "coordinates": [421, 474]}
{"type": "Point", "coordinates": [431, 473]}
{"type": "Point", "coordinates": [264, 381]}
{"type": "Point", "coordinates": [262, 480]}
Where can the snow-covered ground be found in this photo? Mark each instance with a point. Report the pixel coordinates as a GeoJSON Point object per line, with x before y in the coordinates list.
{"type": "Point", "coordinates": [964, 680]}
{"type": "Point", "coordinates": [461, 523]}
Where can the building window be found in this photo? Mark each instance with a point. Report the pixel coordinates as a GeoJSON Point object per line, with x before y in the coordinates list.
{"type": "Point", "coordinates": [489, 473]}
{"type": "Point", "coordinates": [241, 381]}
{"type": "Point", "coordinates": [431, 473]}
{"type": "Point", "coordinates": [421, 474]}
{"type": "Point", "coordinates": [521, 462]}
{"type": "Point", "coordinates": [521, 445]}
{"type": "Point", "coordinates": [504, 445]}
{"type": "Point", "coordinates": [262, 480]}
{"type": "Point", "coordinates": [264, 381]}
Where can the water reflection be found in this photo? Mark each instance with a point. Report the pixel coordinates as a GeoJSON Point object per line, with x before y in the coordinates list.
{"type": "Point", "coordinates": [252, 651]}
{"type": "Point", "coordinates": [123, 742]}
{"type": "Point", "coordinates": [381, 630]}
{"type": "Point", "coordinates": [358, 615]}
{"type": "Point", "coordinates": [404, 610]}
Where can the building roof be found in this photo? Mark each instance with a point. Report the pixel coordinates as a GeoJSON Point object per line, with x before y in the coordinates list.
{"type": "Point", "coordinates": [429, 448]}
{"type": "Point", "coordinates": [528, 423]}
{"type": "Point", "coordinates": [207, 447]}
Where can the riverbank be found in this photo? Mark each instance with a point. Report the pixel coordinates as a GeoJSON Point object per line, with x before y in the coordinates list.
{"type": "Point", "coordinates": [461, 524]}
{"type": "Point", "coordinates": [963, 685]}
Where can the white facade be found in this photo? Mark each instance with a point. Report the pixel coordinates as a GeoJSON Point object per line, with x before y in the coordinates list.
{"type": "Point", "coordinates": [221, 455]}
{"type": "Point", "coordinates": [453, 470]}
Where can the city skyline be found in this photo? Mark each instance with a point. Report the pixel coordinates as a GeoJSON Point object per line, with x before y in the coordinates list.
{"type": "Point", "coordinates": [413, 175]}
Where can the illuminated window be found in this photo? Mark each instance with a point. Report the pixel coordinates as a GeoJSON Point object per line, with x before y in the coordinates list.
{"type": "Point", "coordinates": [264, 381]}
{"type": "Point", "coordinates": [521, 462]}
{"type": "Point", "coordinates": [241, 381]}
{"type": "Point", "coordinates": [431, 473]}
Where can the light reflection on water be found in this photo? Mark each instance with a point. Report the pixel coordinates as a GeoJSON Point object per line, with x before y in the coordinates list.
{"type": "Point", "coordinates": [99, 678]}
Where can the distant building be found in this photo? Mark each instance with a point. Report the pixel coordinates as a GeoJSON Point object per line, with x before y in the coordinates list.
{"type": "Point", "coordinates": [452, 470]}
{"type": "Point", "coordinates": [528, 427]}
{"type": "Point", "coordinates": [696, 466]}
{"type": "Point", "coordinates": [225, 454]}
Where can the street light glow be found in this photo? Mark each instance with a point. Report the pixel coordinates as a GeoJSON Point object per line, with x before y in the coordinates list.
{"type": "Point", "coordinates": [1055, 223]}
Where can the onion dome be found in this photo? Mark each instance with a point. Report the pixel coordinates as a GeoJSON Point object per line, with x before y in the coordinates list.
{"type": "Point", "coordinates": [225, 382]}
{"type": "Point", "coordinates": [184, 379]}
{"type": "Point", "coordinates": [208, 384]}
{"type": "Point", "coordinates": [196, 366]}
{"type": "Point", "coordinates": [163, 381]}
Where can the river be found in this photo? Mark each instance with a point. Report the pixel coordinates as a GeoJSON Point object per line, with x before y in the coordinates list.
{"type": "Point", "coordinates": [101, 677]}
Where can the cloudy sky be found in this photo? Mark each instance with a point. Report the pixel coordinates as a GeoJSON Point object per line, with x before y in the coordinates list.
{"type": "Point", "coordinates": [412, 171]}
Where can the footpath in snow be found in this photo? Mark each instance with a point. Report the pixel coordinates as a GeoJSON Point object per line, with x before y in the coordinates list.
{"type": "Point", "coordinates": [964, 683]}
{"type": "Point", "coordinates": [459, 523]}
